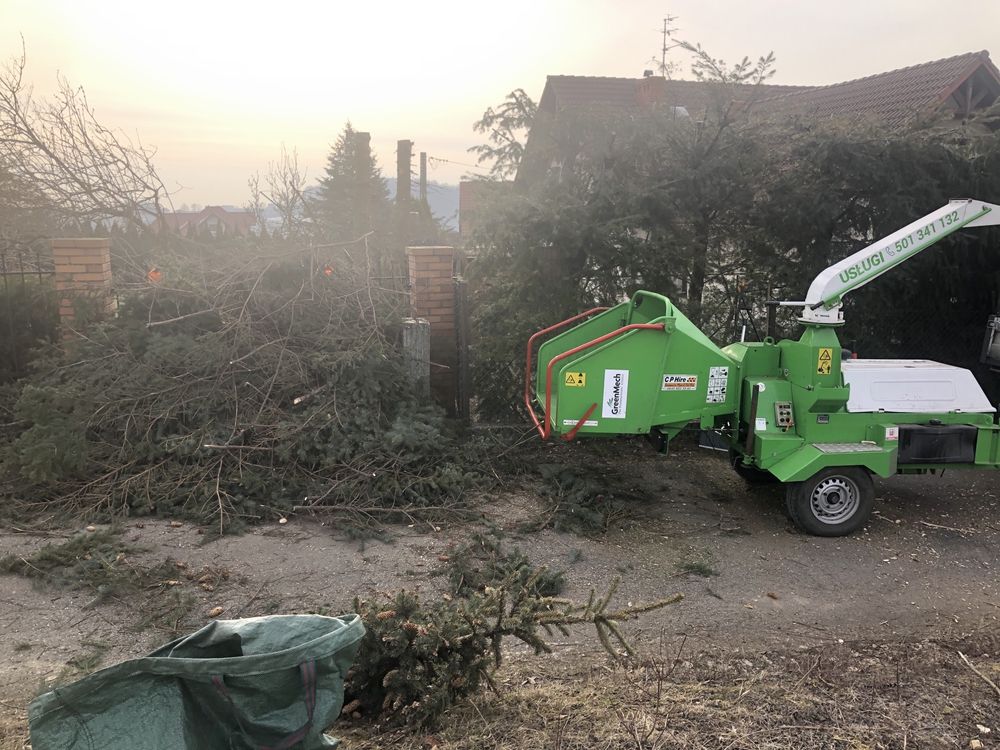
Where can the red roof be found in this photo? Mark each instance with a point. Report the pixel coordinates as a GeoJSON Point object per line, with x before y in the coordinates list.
{"type": "Point", "coordinates": [563, 92]}
{"type": "Point", "coordinates": [235, 222]}
{"type": "Point", "coordinates": [965, 82]}
{"type": "Point", "coordinates": [896, 97]}
{"type": "Point", "coordinates": [176, 221]}
{"type": "Point", "coordinates": [590, 92]}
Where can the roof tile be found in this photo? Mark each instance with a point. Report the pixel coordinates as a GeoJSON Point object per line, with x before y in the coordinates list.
{"type": "Point", "coordinates": [895, 96]}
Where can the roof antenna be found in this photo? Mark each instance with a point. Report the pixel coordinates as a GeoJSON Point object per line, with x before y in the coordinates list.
{"type": "Point", "coordinates": [668, 31]}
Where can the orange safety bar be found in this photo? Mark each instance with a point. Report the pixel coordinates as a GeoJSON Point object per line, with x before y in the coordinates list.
{"type": "Point", "coordinates": [546, 430]}
{"type": "Point", "coordinates": [527, 359]}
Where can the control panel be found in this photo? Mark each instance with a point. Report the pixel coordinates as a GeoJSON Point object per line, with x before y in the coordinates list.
{"type": "Point", "coordinates": [783, 414]}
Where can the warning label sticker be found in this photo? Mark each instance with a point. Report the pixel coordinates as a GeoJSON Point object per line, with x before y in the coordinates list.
{"type": "Point", "coordinates": [891, 433]}
{"type": "Point", "coordinates": [575, 379]}
{"type": "Point", "coordinates": [824, 364]}
{"type": "Point", "coordinates": [718, 379]}
{"type": "Point", "coordinates": [680, 382]}
{"type": "Point", "coordinates": [572, 423]}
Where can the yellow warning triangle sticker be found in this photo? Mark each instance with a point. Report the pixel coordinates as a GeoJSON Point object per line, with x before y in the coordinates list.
{"type": "Point", "coordinates": [825, 354]}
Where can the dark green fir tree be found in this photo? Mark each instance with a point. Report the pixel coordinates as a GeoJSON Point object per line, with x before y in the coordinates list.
{"type": "Point", "coordinates": [353, 197]}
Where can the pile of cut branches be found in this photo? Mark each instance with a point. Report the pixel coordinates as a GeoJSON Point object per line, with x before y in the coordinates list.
{"type": "Point", "coordinates": [234, 384]}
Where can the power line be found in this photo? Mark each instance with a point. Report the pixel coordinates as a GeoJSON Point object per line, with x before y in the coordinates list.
{"type": "Point", "coordinates": [438, 160]}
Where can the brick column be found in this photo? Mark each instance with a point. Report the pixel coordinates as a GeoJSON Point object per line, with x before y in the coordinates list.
{"type": "Point", "coordinates": [82, 277]}
{"type": "Point", "coordinates": [432, 297]}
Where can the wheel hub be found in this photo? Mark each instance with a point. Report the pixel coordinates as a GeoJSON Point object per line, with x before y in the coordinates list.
{"type": "Point", "coordinates": [834, 500]}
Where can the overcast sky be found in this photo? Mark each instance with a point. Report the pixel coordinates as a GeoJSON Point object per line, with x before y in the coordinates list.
{"type": "Point", "coordinates": [219, 86]}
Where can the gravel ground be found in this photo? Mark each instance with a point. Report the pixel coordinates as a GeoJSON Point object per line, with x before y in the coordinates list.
{"type": "Point", "coordinates": [924, 569]}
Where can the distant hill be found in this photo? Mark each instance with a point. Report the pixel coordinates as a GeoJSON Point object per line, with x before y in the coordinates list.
{"type": "Point", "coordinates": [443, 200]}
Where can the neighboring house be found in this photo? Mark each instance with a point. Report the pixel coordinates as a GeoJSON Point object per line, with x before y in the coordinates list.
{"type": "Point", "coordinates": [214, 220]}
{"type": "Point", "coordinates": [470, 197]}
{"type": "Point", "coordinates": [962, 85]}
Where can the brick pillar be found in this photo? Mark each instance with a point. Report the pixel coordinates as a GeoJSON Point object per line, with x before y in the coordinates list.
{"type": "Point", "coordinates": [432, 297]}
{"type": "Point", "coordinates": [82, 277]}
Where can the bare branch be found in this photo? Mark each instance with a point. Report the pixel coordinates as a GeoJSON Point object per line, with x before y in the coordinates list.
{"type": "Point", "coordinates": [68, 164]}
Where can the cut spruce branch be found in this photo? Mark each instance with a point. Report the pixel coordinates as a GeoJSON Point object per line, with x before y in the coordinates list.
{"type": "Point", "coordinates": [419, 657]}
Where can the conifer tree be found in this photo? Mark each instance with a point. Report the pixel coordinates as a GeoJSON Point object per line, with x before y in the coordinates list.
{"type": "Point", "coordinates": [353, 198]}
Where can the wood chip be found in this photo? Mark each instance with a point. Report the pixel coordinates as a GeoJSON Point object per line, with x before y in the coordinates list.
{"type": "Point", "coordinates": [215, 611]}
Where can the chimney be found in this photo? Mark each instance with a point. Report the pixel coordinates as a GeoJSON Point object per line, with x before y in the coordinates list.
{"type": "Point", "coordinates": [423, 179]}
{"type": "Point", "coordinates": [650, 90]}
{"type": "Point", "coordinates": [404, 158]}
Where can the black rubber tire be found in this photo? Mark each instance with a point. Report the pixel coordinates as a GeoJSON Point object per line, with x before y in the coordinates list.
{"type": "Point", "coordinates": [749, 474]}
{"type": "Point", "coordinates": [849, 486]}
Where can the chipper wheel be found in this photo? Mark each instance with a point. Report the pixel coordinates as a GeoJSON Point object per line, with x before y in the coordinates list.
{"type": "Point", "coordinates": [832, 502]}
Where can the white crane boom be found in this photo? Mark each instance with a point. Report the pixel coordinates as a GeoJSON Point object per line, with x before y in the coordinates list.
{"type": "Point", "coordinates": [826, 293]}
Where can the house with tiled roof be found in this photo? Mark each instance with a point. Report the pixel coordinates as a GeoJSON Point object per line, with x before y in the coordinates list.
{"type": "Point", "coordinates": [214, 220]}
{"type": "Point", "coordinates": [955, 87]}
{"type": "Point", "coordinates": [958, 86]}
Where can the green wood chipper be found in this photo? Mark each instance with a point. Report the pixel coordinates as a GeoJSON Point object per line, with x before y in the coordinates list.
{"type": "Point", "coordinates": [791, 411]}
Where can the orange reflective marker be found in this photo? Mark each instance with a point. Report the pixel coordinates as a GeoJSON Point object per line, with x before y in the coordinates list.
{"type": "Point", "coordinates": [154, 275]}
{"type": "Point", "coordinates": [328, 270]}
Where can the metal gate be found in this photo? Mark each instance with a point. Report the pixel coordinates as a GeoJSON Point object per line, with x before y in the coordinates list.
{"type": "Point", "coordinates": [29, 310]}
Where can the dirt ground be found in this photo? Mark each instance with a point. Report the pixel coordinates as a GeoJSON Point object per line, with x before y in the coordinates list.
{"type": "Point", "coordinates": [762, 602]}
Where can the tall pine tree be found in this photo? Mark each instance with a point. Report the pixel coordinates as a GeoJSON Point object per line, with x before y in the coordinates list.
{"type": "Point", "coordinates": [353, 197]}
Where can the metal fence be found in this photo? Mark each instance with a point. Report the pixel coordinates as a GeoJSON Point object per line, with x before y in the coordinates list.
{"type": "Point", "coordinates": [29, 310]}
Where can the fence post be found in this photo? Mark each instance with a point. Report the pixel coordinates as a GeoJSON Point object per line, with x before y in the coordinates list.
{"type": "Point", "coordinates": [462, 331]}
{"type": "Point", "coordinates": [432, 297]}
{"type": "Point", "coordinates": [417, 351]}
{"type": "Point", "coordinates": [82, 268]}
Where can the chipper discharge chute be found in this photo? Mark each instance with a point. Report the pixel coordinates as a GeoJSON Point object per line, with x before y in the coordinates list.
{"type": "Point", "coordinates": [790, 411]}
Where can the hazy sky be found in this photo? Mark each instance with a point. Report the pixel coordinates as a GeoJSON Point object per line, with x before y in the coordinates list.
{"type": "Point", "coordinates": [218, 86]}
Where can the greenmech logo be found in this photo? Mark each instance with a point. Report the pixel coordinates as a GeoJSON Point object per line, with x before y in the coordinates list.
{"type": "Point", "coordinates": [615, 402]}
{"type": "Point", "coordinates": [615, 394]}
{"type": "Point", "coordinates": [861, 268]}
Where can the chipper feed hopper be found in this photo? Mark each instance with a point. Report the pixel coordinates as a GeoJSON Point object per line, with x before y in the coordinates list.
{"type": "Point", "coordinates": [791, 411]}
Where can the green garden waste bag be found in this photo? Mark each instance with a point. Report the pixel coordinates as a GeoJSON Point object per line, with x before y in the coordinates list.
{"type": "Point", "coordinates": [261, 683]}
